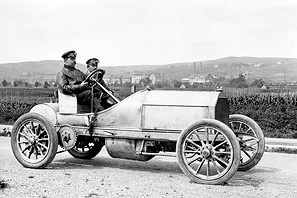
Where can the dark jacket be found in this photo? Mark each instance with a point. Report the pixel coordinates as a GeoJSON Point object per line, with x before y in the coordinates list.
{"type": "Point", "coordinates": [69, 79]}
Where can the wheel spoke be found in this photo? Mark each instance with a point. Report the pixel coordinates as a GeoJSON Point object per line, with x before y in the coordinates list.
{"type": "Point", "coordinates": [26, 148]}
{"type": "Point", "coordinates": [247, 154]}
{"type": "Point", "coordinates": [39, 149]}
{"type": "Point", "coordinates": [222, 143]}
{"type": "Point", "coordinates": [193, 160]}
{"type": "Point", "coordinates": [32, 128]}
{"type": "Point", "coordinates": [215, 137]}
{"type": "Point", "coordinates": [28, 131]}
{"type": "Point", "coordinates": [216, 167]}
{"type": "Point", "coordinates": [220, 160]}
{"type": "Point", "coordinates": [239, 128]}
{"type": "Point", "coordinates": [42, 146]}
{"type": "Point", "coordinates": [43, 139]}
{"type": "Point", "coordinates": [31, 151]}
{"type": "Point", "coordinates": [190, 151]}
{"type": "Point", "coordinates": [202, 143]}
{"type": "Point", "coordinates": [250, 147]}
{"type": "Point", "coordinates": [223, 152]}
{"type": "Point", "coordinates": [23, 142]}
{"type": "Point", "coordinates": [199, 167]}
{"type": "Point", "coordinates": [42, 132]}
{"type": "Point", "coordinates": [36, 152]}
{"type": "Point", "coordinates": [252, 144]}
{"type": "Point", "coordinates": [249, 129]}
{"type": "Point", "coordinates": [248, 140]}
{"type": "Point", "coordinates": [192, 142]}
{"type": "Point", "coordinates": [207, 135]}
{"type": "Point", "coordinates": [38, 130]}
{"type": "Point", "coordinates": [207, 169]}
{"type": "Point", "coordinates": [25, 136]}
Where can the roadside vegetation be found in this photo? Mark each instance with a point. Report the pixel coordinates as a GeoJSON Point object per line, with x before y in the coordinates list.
{"type": "Point", "coordinates": [275, 110]}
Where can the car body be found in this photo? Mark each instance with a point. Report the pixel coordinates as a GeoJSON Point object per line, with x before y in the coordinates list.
{"type": "Point", "coordinates": [193, 126]}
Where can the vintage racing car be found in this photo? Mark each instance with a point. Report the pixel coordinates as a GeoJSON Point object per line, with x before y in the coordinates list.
{"type": "Point", "coordinates": [210, 145]}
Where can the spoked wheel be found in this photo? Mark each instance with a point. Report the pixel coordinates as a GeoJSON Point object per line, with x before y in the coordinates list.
{"type": "Point", "coordinates": [208, 152]}
{"type": "Point", "coordinates": [251, 140]}
{"type": "Point", "coordinates": [34, 141]}
{"type": "Point", "coordinates": [85, 148]}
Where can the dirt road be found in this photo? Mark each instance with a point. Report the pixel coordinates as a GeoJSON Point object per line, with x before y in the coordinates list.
{"type": "Point", "coordinates": [275, 176]}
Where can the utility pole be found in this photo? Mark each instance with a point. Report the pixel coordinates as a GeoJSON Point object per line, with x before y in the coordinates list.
{"type": "Point", "coordinates": [285, 76]}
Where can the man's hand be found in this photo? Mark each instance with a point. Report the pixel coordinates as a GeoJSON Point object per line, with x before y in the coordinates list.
{"type": "Point", "coordinates": [102, 71]}
{"type": "Point", "coordinates": [84, 84]}
{"type": "Point", "coordinates": [112, 91]}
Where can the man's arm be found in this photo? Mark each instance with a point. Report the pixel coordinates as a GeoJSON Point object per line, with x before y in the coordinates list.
{"type": "Point", "coordinates": [66, 87]}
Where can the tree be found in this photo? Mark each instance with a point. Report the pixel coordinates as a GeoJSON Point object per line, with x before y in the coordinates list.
{"type": "Point", "coordinates": [145, 81]}
{"type": "Point", "coordinates": [159, 84]}
{"type": "Point", "coordinates": [4, 83]}
{"type": "Point", "coordinates": [37, 84]}
{"type": "Point", "coordinates": [239, 82]}
{"type": "Point", "coordinates": [127, 84]}
{"type": "Point", "coordinates": [15, 83]}
{"type": "Point", "coordinates": [258, 82]}
{"type": "Point", "coordinates": [177, 84]}
{"type": "Point", "coordinates": [46, 84]}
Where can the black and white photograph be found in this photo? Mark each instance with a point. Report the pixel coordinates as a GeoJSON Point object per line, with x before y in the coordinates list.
{"type": "Point", "coordinates": [148, 98]}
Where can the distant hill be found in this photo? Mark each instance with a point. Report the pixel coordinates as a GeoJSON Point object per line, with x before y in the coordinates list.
{"type": "Point", "coordinates": [269, 69]}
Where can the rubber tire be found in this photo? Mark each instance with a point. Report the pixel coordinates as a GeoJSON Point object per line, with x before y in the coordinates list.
{"type": "Point", "coordinates": [229, 134]}
{"type": "Point", "coordinates": [86, 155]}
{"type": "Point", "coordinates": [53, 140]}
{"type": "Point", "coordinates": [259, 134]}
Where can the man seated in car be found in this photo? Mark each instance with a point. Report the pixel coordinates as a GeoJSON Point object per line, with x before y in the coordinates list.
{"type": "Point", "coordinates": [92, 64]}
{"type": "Point", "coordinates": [71, 81]}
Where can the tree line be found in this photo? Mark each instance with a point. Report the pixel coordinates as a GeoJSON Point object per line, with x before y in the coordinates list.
{"type": "Point", "coordinates": [21, 83]}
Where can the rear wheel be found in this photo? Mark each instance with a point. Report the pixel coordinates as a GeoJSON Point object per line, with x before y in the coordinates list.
{"type": "Point", "coordinates": [34, 141]}
{"type": "Point", "coordinates": [208, 152]}
{"type": "Point", "coordinates": [85, 148]}
{"type": "Point", "coordinates": [251, 140]}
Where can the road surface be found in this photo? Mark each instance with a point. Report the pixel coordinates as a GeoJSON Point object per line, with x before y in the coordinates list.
{"type": "Point", "coordinates": [274, 176]}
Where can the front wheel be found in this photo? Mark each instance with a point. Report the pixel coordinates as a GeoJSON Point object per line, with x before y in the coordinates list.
{"type": "Point", "coordinates": [251, 140]}
{"type": "Point", "coordinates": [34, 141]}
{"type": "Point", "coordinates": [208, 152]}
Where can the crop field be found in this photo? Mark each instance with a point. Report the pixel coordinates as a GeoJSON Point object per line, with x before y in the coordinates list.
{"type": "Point", "coordinates": [275, 112]}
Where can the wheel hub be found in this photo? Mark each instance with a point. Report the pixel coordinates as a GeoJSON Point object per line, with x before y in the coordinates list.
{"type": "Point", "coordinates": [206, 151]}
{"type": "Point", "coordinates": [67, 137]}
{"type": "Point", "coordinates": [32, 140]}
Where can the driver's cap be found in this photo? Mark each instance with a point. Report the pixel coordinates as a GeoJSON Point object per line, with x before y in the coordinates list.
{"type": "Point", "coordinates": [93, 60]}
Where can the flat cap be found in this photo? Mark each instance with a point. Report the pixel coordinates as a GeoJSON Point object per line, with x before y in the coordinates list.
{"type": "Point", "coordinates": [65, 55]}
{"type": "Point", "coordinates": [95, 59]}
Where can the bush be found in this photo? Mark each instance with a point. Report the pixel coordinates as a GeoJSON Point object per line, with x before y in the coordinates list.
{"type": "Point", "coordinates": [275, 114]}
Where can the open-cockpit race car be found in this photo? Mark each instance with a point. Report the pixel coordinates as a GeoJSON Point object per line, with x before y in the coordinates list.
{"type": "Point", "coordinates": [196, 127]}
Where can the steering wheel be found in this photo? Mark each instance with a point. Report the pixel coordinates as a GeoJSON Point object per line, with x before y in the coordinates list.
{"type": "Point", "coordinates": [95, 75]}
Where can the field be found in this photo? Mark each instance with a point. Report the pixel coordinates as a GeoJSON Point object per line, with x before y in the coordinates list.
{"type": "Point", "coordinates": [275, 110]}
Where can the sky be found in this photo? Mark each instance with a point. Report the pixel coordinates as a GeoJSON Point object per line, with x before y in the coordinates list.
{"type": "Point", "coordinates": [146, 32]}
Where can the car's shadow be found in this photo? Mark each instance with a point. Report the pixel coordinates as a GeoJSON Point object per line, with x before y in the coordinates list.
{"type": "Point", "coordinates": [153, 165]}
{"type": "Point", "coordinates": [156, 165]}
